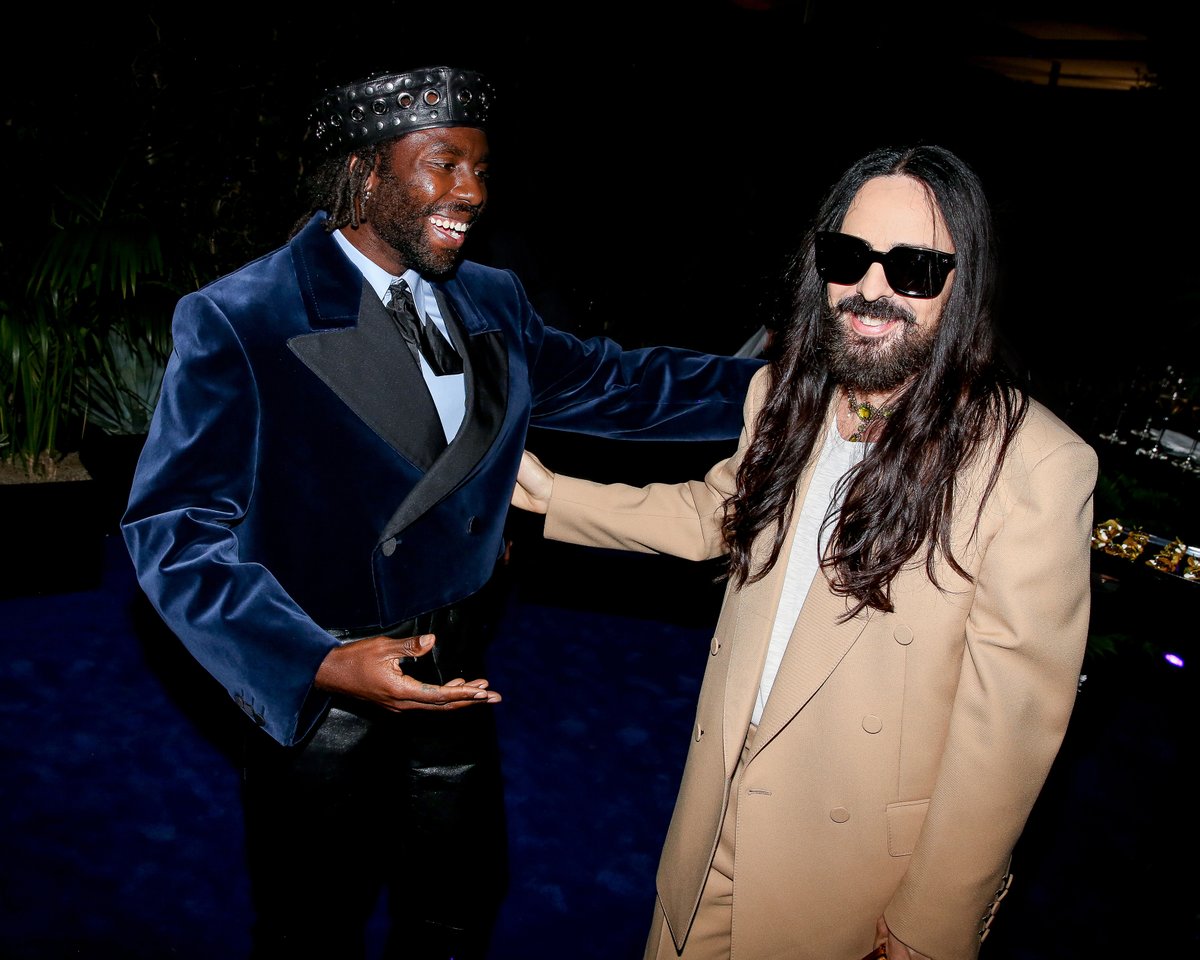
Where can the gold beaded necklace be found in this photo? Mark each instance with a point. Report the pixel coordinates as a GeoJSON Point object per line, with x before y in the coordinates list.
{"type": "Point", "coordinates": [866, 413]}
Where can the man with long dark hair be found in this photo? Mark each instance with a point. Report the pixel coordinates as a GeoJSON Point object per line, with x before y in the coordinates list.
{"type": "Point", "coordinates": [320, 508]}
{"type": "Point", "coordinates": [899, 648]}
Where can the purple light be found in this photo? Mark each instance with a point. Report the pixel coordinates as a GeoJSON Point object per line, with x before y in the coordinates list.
{"type": "Point", "coordinates": [1173, 659]}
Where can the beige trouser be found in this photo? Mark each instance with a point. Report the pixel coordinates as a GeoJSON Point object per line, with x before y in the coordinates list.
{"type": "Point", "coordinates": [710, 937]}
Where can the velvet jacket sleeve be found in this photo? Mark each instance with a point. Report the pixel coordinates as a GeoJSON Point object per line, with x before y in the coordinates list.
{"type": "Point", "coordinates": [655, 393]}
{"type": "Point", "coordinates": [680, 519]}
{"type": "Point", "coordinates": [194, 484]}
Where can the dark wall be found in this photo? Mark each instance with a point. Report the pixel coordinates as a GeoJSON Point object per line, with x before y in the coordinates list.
{"type": "Point", "coordinates": [657, 161]}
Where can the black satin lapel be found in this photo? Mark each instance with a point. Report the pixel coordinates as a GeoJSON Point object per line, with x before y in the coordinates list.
{"type": "Point", "coordinates": [485, 366]}
{"type": "Point", "coordinates": [371, 370]}
{"type": "Point", "coordinates": [485, 373]}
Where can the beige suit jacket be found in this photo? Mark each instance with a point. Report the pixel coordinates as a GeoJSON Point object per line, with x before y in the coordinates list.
{"type": "Point", "coordinates": [899, 754]}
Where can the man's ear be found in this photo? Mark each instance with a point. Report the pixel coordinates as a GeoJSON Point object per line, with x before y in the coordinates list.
{"type": "Point", "coordinates": [353, 164]}
{"type": "Point", "coordinates": [367, 162]}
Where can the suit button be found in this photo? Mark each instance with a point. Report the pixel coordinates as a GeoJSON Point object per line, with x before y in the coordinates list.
{"type": "Point", "coordinates": [872, 724]}
{"type": "Point", "coordinates": [472, 525]}
{"type": "Point", "coordinates": [699, 734]}
{"type": "Point", "coordinates": [839, 814]}
{"type": "Point", "coordinates": [389, 546]}
{"type": "Point", "coordinates": [903, 634]}
{"type": "Point", "coordinates": [715, 647]}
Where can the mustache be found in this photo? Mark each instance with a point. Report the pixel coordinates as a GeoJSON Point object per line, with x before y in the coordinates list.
{"type": "Point", "coordinates": [472, 210]}
{"type": "Point", "coordinates": [876, 309]}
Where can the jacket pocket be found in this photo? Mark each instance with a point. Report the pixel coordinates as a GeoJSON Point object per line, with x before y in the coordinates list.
{"type": "Point", "coordinates": [904, 822]}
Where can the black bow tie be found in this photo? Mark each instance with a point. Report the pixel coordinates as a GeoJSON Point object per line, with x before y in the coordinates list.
{"type": "Point", "coordinates": [423, 338]}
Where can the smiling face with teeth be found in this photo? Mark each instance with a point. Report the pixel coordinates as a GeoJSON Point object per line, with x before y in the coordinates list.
{"type": "Point", "coordinates": [876, 339]}
{"type": "Point", "coordinates": [426, 190]}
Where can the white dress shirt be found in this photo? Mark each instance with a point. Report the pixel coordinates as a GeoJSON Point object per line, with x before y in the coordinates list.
{"type": "Point", "coordinates": [448, 392]}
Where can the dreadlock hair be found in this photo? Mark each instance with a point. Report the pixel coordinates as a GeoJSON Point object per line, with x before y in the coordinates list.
{"type": "Point", "coordinates": [899, 499]}
{"type": "Point", "coordinates": [336, 186]}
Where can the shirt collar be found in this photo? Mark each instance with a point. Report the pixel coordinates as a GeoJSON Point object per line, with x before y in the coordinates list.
{"type": "Point", "coordinates": [375, 275]}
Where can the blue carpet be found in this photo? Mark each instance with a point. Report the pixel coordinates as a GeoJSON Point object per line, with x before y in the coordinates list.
{"type": "Point", "coordinates": [120, 830]}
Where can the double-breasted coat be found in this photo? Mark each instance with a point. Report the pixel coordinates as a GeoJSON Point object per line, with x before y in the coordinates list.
{"type": "Point", "coordinates": [295, 483]}
{"type": "Point", "coordinates": [899, 754]}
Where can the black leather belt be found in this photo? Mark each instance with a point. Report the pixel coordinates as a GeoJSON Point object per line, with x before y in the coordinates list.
{"type": "Point", "coordinates": [457, 652]}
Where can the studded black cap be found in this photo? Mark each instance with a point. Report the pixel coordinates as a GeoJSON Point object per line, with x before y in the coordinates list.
{"type": "Point", "coordinates": [387, 105]}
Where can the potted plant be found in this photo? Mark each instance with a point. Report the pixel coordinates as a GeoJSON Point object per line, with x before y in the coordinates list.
{"type": "Point", "coordinates": [115, 396]}
{"type": "Point", "coordinates": [39, 353]}
{"type": "Point", "coordinates": [48, 501]}
{"type": "Point", "coordinates": [105, 265]}
{"type": "Point", "coordinates": [83, 353]}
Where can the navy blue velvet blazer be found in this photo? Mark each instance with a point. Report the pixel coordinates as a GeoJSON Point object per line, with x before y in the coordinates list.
{"type": "Point", "coordinates": [291, 483]}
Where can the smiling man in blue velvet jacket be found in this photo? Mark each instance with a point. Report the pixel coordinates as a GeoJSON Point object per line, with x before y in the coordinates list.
{"type": "Point", "coordinates": [321, 502]}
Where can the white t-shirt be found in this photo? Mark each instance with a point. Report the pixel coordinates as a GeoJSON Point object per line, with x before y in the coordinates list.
{"type": "Point", "coordinates": [837, 456]}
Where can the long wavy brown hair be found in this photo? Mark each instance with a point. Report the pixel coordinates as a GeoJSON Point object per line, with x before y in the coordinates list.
{"type": "Point", "coordinates": [899, 500]}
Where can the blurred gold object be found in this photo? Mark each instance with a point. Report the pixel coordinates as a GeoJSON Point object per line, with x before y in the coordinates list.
{"type": "Point", "coordinates": [1105, 537]}
{"type": "Point", "coordinates": [1132, 546]}
{"type": "Point", "coordinates": [1167, 559]}
{"type": "Point", "coordinates": [1105, 534]}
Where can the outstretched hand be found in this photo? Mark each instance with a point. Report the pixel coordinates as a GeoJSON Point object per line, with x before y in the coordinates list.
{"type": "Point", "coordinates": [371, 669]}
{"type": "Point", "coordinates": [534, 485]}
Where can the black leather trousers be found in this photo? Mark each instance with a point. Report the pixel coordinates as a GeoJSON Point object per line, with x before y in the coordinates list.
{"type": "Point", "coordinates": [406, 806]}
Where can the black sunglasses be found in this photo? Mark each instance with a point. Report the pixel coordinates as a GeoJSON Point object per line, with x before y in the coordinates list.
{"type": "Point", "coordinates": [910, 271]}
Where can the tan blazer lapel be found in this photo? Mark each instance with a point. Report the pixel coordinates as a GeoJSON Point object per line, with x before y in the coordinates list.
{"type": "Point", "coordinates": [817, 645]}
{"type": "Point", "coordinates": [756, 618]}
{"type": "Point", "coordinates": [747, 654]}
{"type": "Point", "coordinates": [758, 605]}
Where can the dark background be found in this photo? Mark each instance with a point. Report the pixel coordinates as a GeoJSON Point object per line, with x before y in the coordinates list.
{"type": "Point", "coordinates": [655, 161]}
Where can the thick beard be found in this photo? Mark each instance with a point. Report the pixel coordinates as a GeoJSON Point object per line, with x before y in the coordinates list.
{"type": "Point", "coordinates": [400, 221]}
{"type": "Point", "coordinates": [874, 366]}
